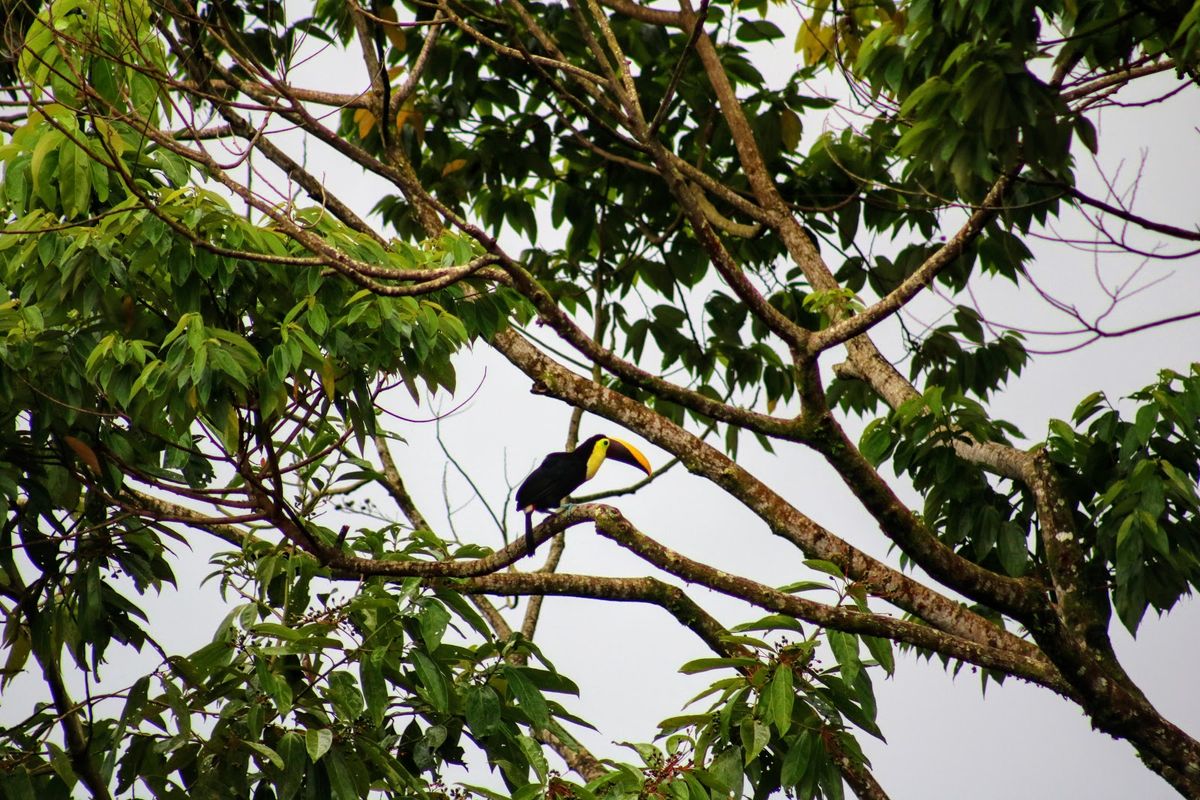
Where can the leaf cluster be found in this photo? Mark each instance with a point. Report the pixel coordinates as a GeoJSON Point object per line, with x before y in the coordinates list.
{"type": "Point", "coordinates": [1134, 480]}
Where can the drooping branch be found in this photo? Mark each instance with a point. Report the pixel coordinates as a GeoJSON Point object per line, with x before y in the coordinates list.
{"type": "Point", "coordinates": [358, 271]}
{"type": "Point", "coordinates": [553, 315]}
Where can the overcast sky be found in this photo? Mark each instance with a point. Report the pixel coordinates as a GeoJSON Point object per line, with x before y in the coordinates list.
{"type": "Point", "coordinates": [1017, 740]}
{"type": "Point", "coordinates": [943, 734]}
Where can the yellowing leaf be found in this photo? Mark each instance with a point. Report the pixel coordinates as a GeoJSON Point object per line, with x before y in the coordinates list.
{"type": "Point", "coordinates": [231, 430]}
{"type": "Point", "coordinates": [454, 166]}
{"type": "Point", "coordinates": [328, 378]}
{"type": "Point", "coordinates": [403, 115]}
{"type": "Point", "coordinates": [365, 121]}
{"type": "Point", "coordinates": [86, 454]}
{"type": "Point", "coordinates": [410, 116]}
{"type": "Point", "coordinates": [128, 311]}
{"type": "Point", "coordinates": [395, 33]}
{"type": "Point", "coordinates": [790, 129]}
{"type": "Point", "coordinates": [815, 42]}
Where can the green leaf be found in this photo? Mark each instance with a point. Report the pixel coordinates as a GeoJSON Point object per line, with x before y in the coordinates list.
{"type": "Point", "coordinates": [277, 631]}
{"type": "Point", "coordinates": [317, 742]}
{"type": "Point", "coordinates": [1088, 406]}
{"type": "Point", "coordinates": [821, 565]}
{"type": "Point", "coordinates": [535, 756]}
{"type": "Point", "coordinates": [1011, 547]}
{"type": "Point", "coordinates": [266, 752]}
{"type": "Point", "coordinates": [292, 750]}
{"type": "Point", "coordinates": [781, 697]}
{"type": "Point", "coordinates": [671, 724]}
{"type": "Point", "coordinates": [1086, 132]}
{"type": "Point", "coordinates": [16, 784]}
{"type": "Point", "coordinates": [482, 710]}
{"type": "Point", "coordinates": [754, 735]}
{"type": "Point", "coordinates": [374, 687]}
{"type": "Point", "coordinates": [436, 690]}
{"type": "Point", "coordinates": [881, 651]}
{"type": "Point", "coordinates": [1144, 422]}
{"type": "Point", "coordinates": [876, 441]}
{"type": "Point", "coordinates": [855, 702]}
{"type": "Point", "coordinates": [528, 697]}
{"type": "Point", "coordinates": [74, 179]}
{"type": "Point", "coordinates": [463, 609]}
{"type": "Point", "coordinates": [340, 780]}
{"type": "Point", "coordinates": [726, 771]}
{"type": "Point", "coordinates": [774, 622]}
{"type": "Point", "coordinates": [18, 653]}
{"type": "Point", "coordinates": [807, 586]}
{"type": "Point", "coordinates": [433, 618]}
{"type": "Point", "coordinates": [707, 664]}
{"type": "Point", "coordinates": [44, 183]}
{"type": "Point", "coordinates": [845, 650]}
{"type": "Point", "coordinates": [758, 30]}
{"type": "Point", "coordinates": [796, 760]}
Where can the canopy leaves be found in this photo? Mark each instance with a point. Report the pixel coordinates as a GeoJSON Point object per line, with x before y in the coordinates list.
{"type": "Point", "coordinates": [203, 332]}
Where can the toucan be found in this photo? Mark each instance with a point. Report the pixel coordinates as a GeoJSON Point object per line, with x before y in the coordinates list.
{"type": "Point", "coordinates": [559, 474]}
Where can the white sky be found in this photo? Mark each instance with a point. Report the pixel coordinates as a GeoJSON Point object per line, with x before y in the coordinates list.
{"type": "Point", "coordinates": [944, 738]}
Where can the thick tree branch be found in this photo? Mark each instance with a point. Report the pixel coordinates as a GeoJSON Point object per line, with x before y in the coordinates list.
{"type": "Point", "coordinates": [1032, 667]}
{"type": "Point", "coordinates": [781, 518]}
{"type": "Point", "coordinates": [652, 16]}
{"type": "Point", "coordinates": [215, 89]}
{"type": "Point", "coordinates": [1012, 596]}
{"type": "Point", "coordinates": [1117, 79]}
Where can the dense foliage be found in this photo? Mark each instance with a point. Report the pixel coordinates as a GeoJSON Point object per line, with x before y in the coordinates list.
{"type": "Point", "coordinates": [198, 336]}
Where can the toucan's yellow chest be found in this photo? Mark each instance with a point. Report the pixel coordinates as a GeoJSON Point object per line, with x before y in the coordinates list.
{"type": "Point", "coordinates": [596, 458]}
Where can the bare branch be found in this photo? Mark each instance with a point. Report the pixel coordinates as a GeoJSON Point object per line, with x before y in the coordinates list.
{"type": "Point", "coordinates": [849, 327]}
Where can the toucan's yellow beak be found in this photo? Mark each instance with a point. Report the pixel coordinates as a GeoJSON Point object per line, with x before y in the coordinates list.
{"type": "Point", "coordinates": [624, 451]}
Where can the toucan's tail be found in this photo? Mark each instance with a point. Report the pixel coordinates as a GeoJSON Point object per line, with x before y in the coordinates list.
{"type": "Point", "coordinates": [528, 533]}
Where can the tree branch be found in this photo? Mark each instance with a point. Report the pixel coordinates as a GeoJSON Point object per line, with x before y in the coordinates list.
{"type": "Point", "coordinates": [1123, 213]}
{"type": "Point", "coordinates": [75, 734]}
{"type": "Point", "coordinates": [852, 326]}
{"type": "Point", "coordinates": [781, 518]}
{"type": "Point", "coordinates": [395, 487]}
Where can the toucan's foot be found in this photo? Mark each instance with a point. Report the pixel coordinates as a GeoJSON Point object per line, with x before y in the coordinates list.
{"type": "Point", "coordinates": [565, 507]}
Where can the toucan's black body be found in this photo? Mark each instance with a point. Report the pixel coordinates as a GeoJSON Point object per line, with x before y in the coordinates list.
{"type": "Point", "coordinates": [559, 474]}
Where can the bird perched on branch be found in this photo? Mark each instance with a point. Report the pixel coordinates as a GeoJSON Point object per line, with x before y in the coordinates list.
{"type": "Point", "coordinates": [559, 474]}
